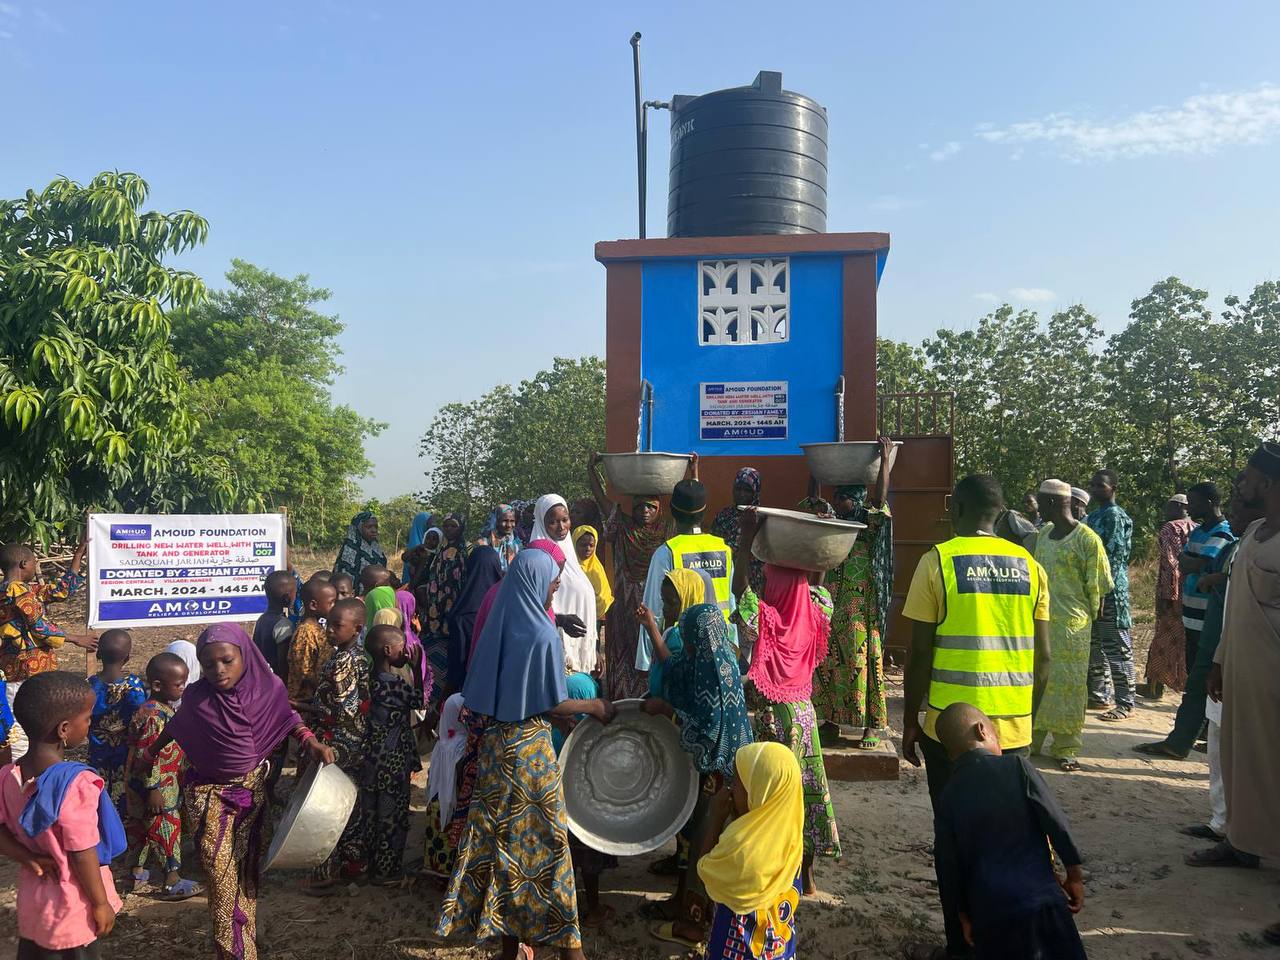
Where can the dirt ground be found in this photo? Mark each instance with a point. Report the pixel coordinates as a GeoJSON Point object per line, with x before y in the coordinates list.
{"type": "Point", "coordinates": [1142, 902]}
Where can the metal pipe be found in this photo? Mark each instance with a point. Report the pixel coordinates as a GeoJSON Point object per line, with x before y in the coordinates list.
{"type": "Point", "coordinates": [641, 132]}
{"type": "Point", "coordinates": [840, 409]}
{"type": "Point", "coordinates": [644, 420]}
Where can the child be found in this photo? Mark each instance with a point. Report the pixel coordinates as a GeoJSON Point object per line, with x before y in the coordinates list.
{"type": "Point", "coordinates": [58, 824]}
{"type": "Point", "coordinates": [345, 584]}
{"type": "Point", "coordinates": [991, 822]}
{"type": "Point", "coordinates": [373, 576]}
{"type": "Point", "coordinates": [117, 695]}
{"type": "Point", "coordinates": [28, 639]}
{"type": "Point", "coordinates": [309, 648]}
{"type": "Point", "coordinates": [273, 630]}
{"type": "Point", "coordinates": [342, 707]}
{"type": "Point", "coordinates": [153, 801]}
{"type": "Point", "coordinates": [393, 753]}
{"type": "Point", "coordinates": [230, 721]}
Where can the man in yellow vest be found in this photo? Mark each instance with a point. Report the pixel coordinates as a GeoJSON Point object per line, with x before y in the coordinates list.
{"type": "Point", "coordinates": [694, 550]}
{"type": "Point", "coordinates": [981, 636]}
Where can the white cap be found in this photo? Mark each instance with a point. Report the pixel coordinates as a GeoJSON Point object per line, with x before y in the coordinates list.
{"type": "Point", "coordinates": [1178, 498]}
{"type": "Point", "coordinates": [1056, 488]}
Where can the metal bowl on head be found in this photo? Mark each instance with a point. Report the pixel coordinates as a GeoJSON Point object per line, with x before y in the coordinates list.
{"type": "Point", "coordinates": [849, 462]}
{"type": "Point", "coordinates": [313, 822]}
{"type": "Point", "coordinates": [788, 538]}
{"type": "Point", "coordinates": [644, 474]}
{"type": "Point", "coordinates": [628, 787]}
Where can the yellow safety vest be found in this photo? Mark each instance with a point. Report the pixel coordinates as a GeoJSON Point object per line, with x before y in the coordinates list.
{"type": "Point", "coordinates": [984, 651]}
{"type": "Point", "coordinates": [709, 554]}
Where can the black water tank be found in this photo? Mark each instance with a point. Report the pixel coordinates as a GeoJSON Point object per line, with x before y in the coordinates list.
{"type": "Point", "coordinates": [748, 160]}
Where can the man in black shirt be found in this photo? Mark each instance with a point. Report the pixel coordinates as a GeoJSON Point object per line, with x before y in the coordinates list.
{"type": "Point", "coordinates": [995, 820]}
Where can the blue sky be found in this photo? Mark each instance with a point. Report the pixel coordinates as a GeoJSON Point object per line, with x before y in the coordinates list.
{"type": "Point", "coordinates": [446, 169]}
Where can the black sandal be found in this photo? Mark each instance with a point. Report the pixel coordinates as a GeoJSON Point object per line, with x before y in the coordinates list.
{"type": "Point", "coordinates": [1159, 748]}
{"type": "Point", "coordinates": [1115, 715]}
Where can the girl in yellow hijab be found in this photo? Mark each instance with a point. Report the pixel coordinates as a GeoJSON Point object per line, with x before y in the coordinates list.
{"type": "Point", "coordinates": [681, 589]}
{"type": "Point", "coordinates": [753, 870]}
{"type": "Point", "coordinates": [585, 541]}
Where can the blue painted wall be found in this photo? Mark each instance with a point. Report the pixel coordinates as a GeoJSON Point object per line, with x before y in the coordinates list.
{"type": "Point", "coordinates": [674, 362]}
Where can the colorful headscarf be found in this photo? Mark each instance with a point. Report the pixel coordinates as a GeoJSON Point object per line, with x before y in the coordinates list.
{"type": "Point", "coordinates": [356, 552]}
{"type": "Point", "coordinates": [691, 586]}
{"type": "Point", "coordinates": [594, 569]}
{"type": "Point", "coordinates": [545, 546]}
{"type": "Point", "coordinates": [523, 530]}
{"type": "Point", "coordinates": [703, 684]}
{"type": "Point", "coordinates": [379, 598]}
{"type": "Point", "coordinates": [791, 637]}
{"type": "Point", "coordinates": [227, 734]}
{"type": "Point", "coordinates": [633, 545]}
{"type": "Point", "coordinates": [507, 546]}
{"type": "Point", "coordinates": [881, 551]}
{"type": "Point", "coordinates": [517, 671]}
{"type": "Point", "coordinates": [576, 594]}
{"type": "Point", "coordinates": [413, 645]}
{"type": "Point", "coordinates": [752, 868]}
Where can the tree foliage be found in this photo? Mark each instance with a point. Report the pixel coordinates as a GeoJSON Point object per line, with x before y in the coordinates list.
{"type": "Point", "coordinates": [94, 404]}
{"type": "Point", "coordinates": [517, 442]}
{"type": "Point", "coordinates": [1175, 397]}
{"type": "Point", "coordinates": [261, 357]}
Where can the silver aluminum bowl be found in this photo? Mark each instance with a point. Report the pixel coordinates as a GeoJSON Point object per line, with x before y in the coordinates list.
{"type": "Point", "coordinates": [628, 787]}
{"type": "Point", "coordinates": [317, 813]}
{"type": "Point", "coordinates": [854, 461]}
{"type": "Point", "coordinates": [788, 538]}
{"type": "Point", "coordinates": [644, 474]}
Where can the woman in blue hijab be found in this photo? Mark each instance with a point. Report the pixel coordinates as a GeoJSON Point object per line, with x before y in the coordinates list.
{"type": "Point", "coordinates": [516, 878]}
{"type": "Point", "coordinates": [417, 533]}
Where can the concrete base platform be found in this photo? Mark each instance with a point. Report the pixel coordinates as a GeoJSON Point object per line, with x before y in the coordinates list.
{"type": "Point", "coordinates": [849, 762]}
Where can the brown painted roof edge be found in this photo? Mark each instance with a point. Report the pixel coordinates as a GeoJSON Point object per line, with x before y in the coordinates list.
{"type": "Point", "coordinates": [609, 251]}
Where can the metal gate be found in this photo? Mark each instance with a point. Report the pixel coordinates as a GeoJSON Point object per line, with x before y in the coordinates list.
{"type": "Point", "coordinates": [919, 490]}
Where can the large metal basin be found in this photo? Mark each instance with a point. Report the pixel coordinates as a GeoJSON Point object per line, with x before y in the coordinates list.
{"type": "Point", "coordinates": [854, 461]}
{"type": "Point", "coordinates": [314, 820]}
{"type": "Point", "coordinates": [788, 538]}
{"type": "Point", "coordinates": [628, 786]}
{"type": "Point", "coordinates": [644, 474]}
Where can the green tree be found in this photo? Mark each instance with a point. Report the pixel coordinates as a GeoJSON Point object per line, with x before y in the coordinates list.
{"type": "Point", "coordinates": [457, 444]}
{"type": "Point", "coordinates": [517, 443]}
{"type": "Point", "coordinates": [543, 434]}
{"type": "Point", "coordinates": [259, 317]}
{"type": "Point", "coordinates": [395, 516]}
{"type": "Point", "coordinates": [262, 357]}
{"type": "Point", "coordinates": [94, 403]}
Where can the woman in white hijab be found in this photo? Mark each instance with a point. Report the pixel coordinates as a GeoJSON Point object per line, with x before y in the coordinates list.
{"type": "Point", "coordinates": [576, 596]}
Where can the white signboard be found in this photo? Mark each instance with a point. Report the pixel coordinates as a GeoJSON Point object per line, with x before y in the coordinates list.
{"type": "Point", "coordinates": [744, 410]}
{"type": "Point", "coordinates": [149, 571]}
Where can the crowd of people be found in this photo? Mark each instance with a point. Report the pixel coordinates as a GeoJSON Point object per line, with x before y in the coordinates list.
{"type": "Point", "coordinates": [486, 650]}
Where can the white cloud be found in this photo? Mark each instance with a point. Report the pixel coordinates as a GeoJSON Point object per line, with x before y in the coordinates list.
{"type": "Point", "coordinates": [1201, 124]}
{"type": "Point", "coordinates": [946, 151]}
{"type": "Point", "coordinates": [10, 10]}
{"type": "Point", "coordinates": [1032, 294]}
{"type": "Point", "coordinates": [988, 297]}
{"type": "Point", "coordinates": [892, 203]}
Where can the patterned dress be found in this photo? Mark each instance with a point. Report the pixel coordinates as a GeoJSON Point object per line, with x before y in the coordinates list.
{"type": "Point", "coordinates": [848, 686]}
{"type": "Point", "coordinates": [632, 547]}
{"type": "Point", "coordinates": [1167, 658]}
{"type": "Point", "coordinates": [514, 873]}
{"type": "Point", "coordinates": [308, 651]}
{"type": "Point", "coordinates": [343, 699]}
{"type": "Point", "coordinates": [392, 760]}
{"type": "Point", "coordinates": [1079, 577]}
{"type": "Point", "coordinates": [28, 638]}
{"type": "Point", "coordinates": [155, 838]}
{"type": "Point", "coordinates": [226, 819]}
{"type": "Point", "coordinates": [436, 597]}
{"type": "Point", "coordinates": [795, 726]}
{"type": "Point", "coordinates": [114, 705]}
{"type": "Point", "coordinates": [736, 936]}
